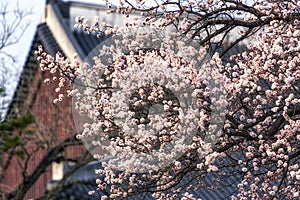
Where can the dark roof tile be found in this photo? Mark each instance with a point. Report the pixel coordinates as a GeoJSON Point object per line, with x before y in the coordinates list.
{"type": "Point", "coordinates": [87, 42]}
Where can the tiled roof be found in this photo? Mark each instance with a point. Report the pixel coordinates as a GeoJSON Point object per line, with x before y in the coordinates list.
{"type": "Point", "coordinates": [87, 42]}
{"type": "Point", "coordinates": [48, 41]}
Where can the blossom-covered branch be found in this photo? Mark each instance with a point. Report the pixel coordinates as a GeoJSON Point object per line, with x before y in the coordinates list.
{"type": "Point", "coordinates": [256, 150]}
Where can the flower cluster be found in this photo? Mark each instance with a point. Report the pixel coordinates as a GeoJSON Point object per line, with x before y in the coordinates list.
{"type": "Point", "coordinates": [263, 93]}
{"type": "Point", "coordinates": [154, 103]}
{"type": "Point", "coordinates": [61, 69]}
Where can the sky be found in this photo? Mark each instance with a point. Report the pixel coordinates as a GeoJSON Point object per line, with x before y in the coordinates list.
{"type": "Point", "coordinates": [20, 50]}
{"type": "Point", "coordinates": [10, 71]}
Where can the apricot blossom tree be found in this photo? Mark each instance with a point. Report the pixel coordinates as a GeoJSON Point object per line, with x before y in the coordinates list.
{"type": "Point", "coordinates": [165, 116]}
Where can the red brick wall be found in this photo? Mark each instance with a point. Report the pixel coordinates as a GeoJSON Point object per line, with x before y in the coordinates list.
{"type": "Point", "coordinates": [54, 123]}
